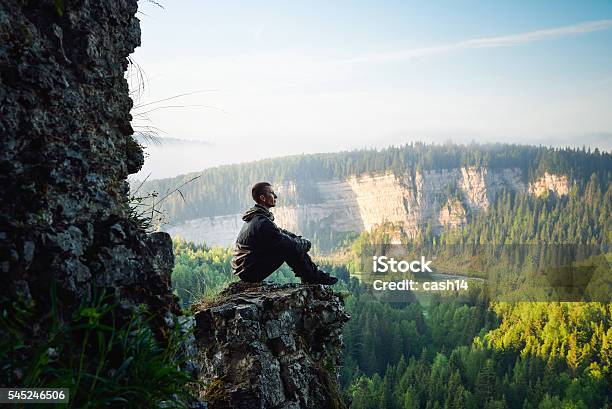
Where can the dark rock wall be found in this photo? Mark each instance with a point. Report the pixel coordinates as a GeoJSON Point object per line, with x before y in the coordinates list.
{"type": "Point", "coordinates": [66, 149]}
{"type": "Point", "coordinates": [271, 346]}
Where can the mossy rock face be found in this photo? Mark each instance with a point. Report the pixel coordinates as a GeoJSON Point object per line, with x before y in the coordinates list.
{"type": "Point", "coordinates": [65, 153]}
{"type": "Point", "coordinates": [134, 156]}
{"type": "Point", "coordinates": [272, 345]}
{"type": "Point", "coordinates": [216, 394]}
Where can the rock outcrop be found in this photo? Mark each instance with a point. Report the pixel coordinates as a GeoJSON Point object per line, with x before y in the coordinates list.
{"type": "Point", "coordinates": [65, 153]}
{"type": "Point", "coordinates": [270, 346]}
{"type": "Point", "coordinates": [452, 214]}
{"type": "Point", "coordinates": [549, 182]}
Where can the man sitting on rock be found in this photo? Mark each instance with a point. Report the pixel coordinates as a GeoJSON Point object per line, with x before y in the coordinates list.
{"type": "Point", "coordinates": [262, 247]}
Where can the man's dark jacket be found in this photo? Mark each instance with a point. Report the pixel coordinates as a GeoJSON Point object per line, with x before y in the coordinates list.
{"type": "Point", "coordinates": [262, 247]}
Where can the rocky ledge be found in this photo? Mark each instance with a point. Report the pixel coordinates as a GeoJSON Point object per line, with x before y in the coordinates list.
{"type": "Point", "coordinates": [270, 346]}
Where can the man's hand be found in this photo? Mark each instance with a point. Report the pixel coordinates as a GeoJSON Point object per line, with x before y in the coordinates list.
{"type": "Point", "coordinates": [288, 233]}
{"type": "Point", "coordinates": [309, 244]}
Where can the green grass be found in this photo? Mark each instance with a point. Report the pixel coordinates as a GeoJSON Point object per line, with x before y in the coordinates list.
{"type": "Point", "coordinates": [105, 360]}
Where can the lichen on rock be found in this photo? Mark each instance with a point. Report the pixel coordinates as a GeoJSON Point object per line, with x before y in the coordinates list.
{"type": "Point", "coordinates": [66, 150]}
{"type": "Point", "coordinates": [270, 346]}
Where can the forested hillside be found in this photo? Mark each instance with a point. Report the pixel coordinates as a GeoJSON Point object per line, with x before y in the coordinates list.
{"type": "Point", "coordinates": [225, 190]}
{"type": "Point", "coordinates": [449, 353]}
{"type": "Point", "coordinates": [476, 351]}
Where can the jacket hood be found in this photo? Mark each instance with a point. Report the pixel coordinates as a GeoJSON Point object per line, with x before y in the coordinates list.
{"type": "Point", "coordinates": [255, 210]}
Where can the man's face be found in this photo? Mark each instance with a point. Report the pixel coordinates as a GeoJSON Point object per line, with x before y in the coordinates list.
{"type": "Point", "coordinates": [268, 198]}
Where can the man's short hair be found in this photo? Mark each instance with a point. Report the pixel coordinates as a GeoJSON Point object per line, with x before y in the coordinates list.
{"type": "Point", "coordinates": [258, 190]}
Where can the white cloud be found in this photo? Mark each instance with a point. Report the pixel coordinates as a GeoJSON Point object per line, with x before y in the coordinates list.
{"type": "Point", "coordinates": [604, 82]}
{"type": "Point", "coordinates": [297, 102]}
{"type": "Point", "coordinates": [489, 42]}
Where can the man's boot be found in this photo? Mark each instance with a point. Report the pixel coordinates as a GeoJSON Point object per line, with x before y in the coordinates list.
{"type": "Point", "coordinates": [323, 278]}
{"type": "Point", "coordinates": [326, 279]}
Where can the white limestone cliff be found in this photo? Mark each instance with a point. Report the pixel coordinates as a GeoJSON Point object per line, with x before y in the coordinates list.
{"type": "Point", "coordinates": [557, 184]}
{"type": "Point", "coordinates": [362, 202]}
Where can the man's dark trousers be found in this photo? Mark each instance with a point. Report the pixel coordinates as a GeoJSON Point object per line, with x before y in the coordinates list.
{"type": "Point", "coordinates": [301, 264]}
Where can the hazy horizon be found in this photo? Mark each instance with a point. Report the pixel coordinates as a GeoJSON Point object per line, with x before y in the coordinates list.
{"type": "Point", "coordinates": [171, 157]}
{"type": "Point", "coordinates": [289, 78]}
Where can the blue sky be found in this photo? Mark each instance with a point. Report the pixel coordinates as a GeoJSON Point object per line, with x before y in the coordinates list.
{"type": "Point", "coordinates": [324, 76]}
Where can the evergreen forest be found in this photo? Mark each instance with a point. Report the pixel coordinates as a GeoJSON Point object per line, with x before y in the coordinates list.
{"type": "Point", "coordinates": [473, 351]}
{"type": "Point", "coordinates": [226, 189]}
